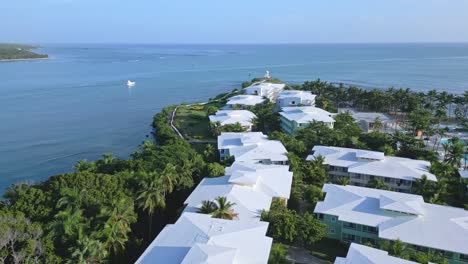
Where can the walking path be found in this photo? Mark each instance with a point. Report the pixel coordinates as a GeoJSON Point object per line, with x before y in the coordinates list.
{"type": "Point", "coordinates": [300, 255]}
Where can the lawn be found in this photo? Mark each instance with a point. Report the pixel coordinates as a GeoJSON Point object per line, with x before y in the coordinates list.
{"type": "Point", "coordinates": [328, 249]}
{"type": "Point", "coordinates": [193, 122]}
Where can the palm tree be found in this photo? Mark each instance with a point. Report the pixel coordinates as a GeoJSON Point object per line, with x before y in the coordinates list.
{"type": "Point", "coordinates": [71, 199]}
{"type": "Point", "coordinates": [377, 123]}
{"type": "Point", "coordinates": [224, 210]}
{"type": "Point", "coordinates": [81, 165]}
{"type": "Point", "coordinates": [87, 251]}
{"type": "Point", "coordinates": [108, 158]}
{"type": "Point", "coordinates": [454, 151]}
{"type": "Point", "coordinates": [151, 196]}
{"type": "Point", "coordinates": [209, 152]}
{"type": "Point", "coordinates": [67, 225]}
{"type": "Point", "coordinates": [208, 207]}
{"type": "Point", "coordinates": [343, 181]}
{"type": "Point", "coordinates": [120, 215]}
{"type": "Point", "coordinates": [220, 208]}
{"type": "Point", "coordinates": [398, 249]}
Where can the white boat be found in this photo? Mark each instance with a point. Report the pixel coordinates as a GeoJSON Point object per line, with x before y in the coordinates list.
{"type": "Point", "coordinates": [130, 83]}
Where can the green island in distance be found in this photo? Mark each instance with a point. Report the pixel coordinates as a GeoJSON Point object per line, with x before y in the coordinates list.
{"type": "Point", "coordinates": [12, 52]}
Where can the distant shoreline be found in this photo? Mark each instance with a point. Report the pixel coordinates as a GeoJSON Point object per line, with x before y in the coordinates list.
{"type": "Point", "coordinates": [13, 60]}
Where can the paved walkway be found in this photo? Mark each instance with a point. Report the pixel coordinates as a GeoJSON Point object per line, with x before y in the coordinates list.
{"type": "Point", "coordinates": [300, 255]}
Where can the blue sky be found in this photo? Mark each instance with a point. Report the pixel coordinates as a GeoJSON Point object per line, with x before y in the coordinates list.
{"type": "Point", "coordinates": [233, 21]}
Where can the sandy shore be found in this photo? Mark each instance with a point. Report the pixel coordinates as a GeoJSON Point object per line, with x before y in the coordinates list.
{"type": "Point", "coordinates": [13, 60]}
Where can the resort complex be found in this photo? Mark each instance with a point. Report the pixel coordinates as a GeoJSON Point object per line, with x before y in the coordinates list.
{"type": "Point", "coordinates": [363, 215]}
{"type": "Point", "coordinates": [295, 118]}
{"type": "Point", "coordinates": [361, 166]}
{"type": "Point", "coordinates": [251, 183]}
{"type": "Point", "coordinates": [232, 117]}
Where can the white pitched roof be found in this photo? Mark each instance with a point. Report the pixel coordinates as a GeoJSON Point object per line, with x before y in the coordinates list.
{"type": "Point", "coordinates": [252, 146]}
{"type": "Point", "coordinates": [373, 163]}
{"type": "Point", "coordinates": [245, 99]}
{"type": "Point", "coordinates": [273, 180]}
{"type": "Point", "coordinates": [423, 224]}
{"type": "Point", "coordinates": [249, 202]}
{"type": "Point", "coordinates": [226, 117]}
{"type": "Point", "coordinates": [304, 95]}
{"type": "Point", "coordinates": [267, 88]}
{"type": "Point", "coordinates": [197, 237]}
{"type": "Point", "coordinates": [366, 116]}
{"type": "Point", "coordinates": [307, 114]}
{"type": "Point", "coordinates": [229, 140]}
{"type": "Point", "coordinates": [359, 254]}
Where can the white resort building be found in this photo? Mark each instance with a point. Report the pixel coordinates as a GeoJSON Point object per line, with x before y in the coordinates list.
{"type": "Point", "coordinates": [359, 254]}
{"type": "Point", "coordinates": [272, 180]}
{"type": "Point", "coordinates": [249, 202]}
{"type": "Point", "coordinates": [267, 90]}
{"type": "Point", "coordinates": [366, 120]}
{"type": "Point", "coordinates": [242, 101]}
{"type": "Point", "coordinates": [361, 166]}
{"type": "Point", "coordinates": [198, 238]}
{"type": "Point", "coordinates": [291, 98]}
{"type": "Point", "coordinates": [252, 147]}
{"type": "Point", "coordinates": [295, 118]}
{"type": "Point", "coordinates": [363, 215]}
{"type": "Point", "coordinates": [231, 117]}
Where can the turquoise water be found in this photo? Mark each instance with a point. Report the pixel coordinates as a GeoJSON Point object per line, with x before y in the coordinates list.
{"type": "Point", "coordinates": [77, 106]}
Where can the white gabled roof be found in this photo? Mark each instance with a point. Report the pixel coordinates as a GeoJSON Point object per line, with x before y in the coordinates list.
{"type": "Point", "coordinates": [307, 114]}
{"type": "Point", "coordinates": [373, 163]}
{"type": "Point", "coordinates": [304, 95]}
{"type": "Point", "coordinates": [265, 87]}
{"type": "Point", "coordinates": [249, 202]}
{"type": "Point", "coordinates": [226, 117]}
{"type": "Point", "coordinates": [245, 99]}
{"type": "Point", "coordinates": [199, 237]}
{"type": "Point", "coordinates": [273, 180]}
{"type": "Point", "coordinates": [252, 146]}
{"type": "Point", "coordinates": [208, 254]}
{"type": "Point", "coordinates": [419, 223]}
{"type": "Point", "coordinates": [359, 254]}
{"type": "Point", "coordinates": [366, 116]}
{"type": "Point", "coordinates": [228, 140]}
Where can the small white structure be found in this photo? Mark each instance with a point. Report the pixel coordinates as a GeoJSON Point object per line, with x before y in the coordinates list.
{"type": "Point", "coordinates": [361, 212]}
{"type": "Point", "coordinates": [252, 147]}
{"type": "Point", "coordinates": [249, 202]}
{"type": "Point", "coordinates": [272, 180]}
{"type": "Point", "coordinates": [231, 117]}
{"type": "Point", "coordinates": [198, 238]}
{"type": "Point", "coordinates": [360, 166]}
{"type": "Point", "coordinates": [244, 100]}
{"type": "Point", "coordinates": [295, 118]}
{"type": "Point", "coordinates": [359, 254]}
{"type": "Point", "coordinates": [267, 90]}
{"type": "Point", "coordinates": [291, 98]}
{"type": "Point", "coordinates": [366, 120]}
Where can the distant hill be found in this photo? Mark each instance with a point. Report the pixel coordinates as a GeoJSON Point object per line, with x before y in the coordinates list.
{"type": "Point", "coordinates": [19, 52]}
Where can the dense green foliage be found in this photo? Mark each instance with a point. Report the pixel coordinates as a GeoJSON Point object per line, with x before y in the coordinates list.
{"type": "Point", "coordinates": [15, 52]}
{"type": "Point", "coordinates": [107, 210]}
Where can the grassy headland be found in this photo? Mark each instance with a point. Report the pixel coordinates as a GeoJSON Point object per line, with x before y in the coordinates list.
{"type": "Point", "coordinates": [10, 52]}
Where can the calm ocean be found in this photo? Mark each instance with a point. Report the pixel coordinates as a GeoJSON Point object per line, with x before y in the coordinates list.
{"type": "Point", "coordinates": [77, 106]}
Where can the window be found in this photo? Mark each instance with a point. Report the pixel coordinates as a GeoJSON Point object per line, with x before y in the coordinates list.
{"type": "Point", "coordinates": [333, 219]}
{"type": "Point", "coordinates": [464, 257]}
{"type": "Point", "coordinates": [370, 229]}
{"type": "Point", "coordinates": [320, 216]}
{"type": "Point", "coordinates": [349, 226]}
{"type": "Point", "coordinates": [386, 179]}
{"type": "Point", "coordinates": [332, 231]}
{"type": "Point", "coordinates": [349, 237]}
